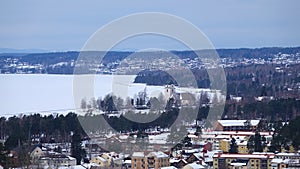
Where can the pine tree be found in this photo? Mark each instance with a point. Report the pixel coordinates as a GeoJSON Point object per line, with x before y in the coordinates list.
{"type": "Point", "coordinates": [258, 142]}
{"type": "Point", "coordinates": [251, 144]}
{"type": "Point", "coordinates": [3, 155]}
{"type": "Point", "coordinates": [76, 149]}
{"type": "Point", "coordinates": [233, 146]}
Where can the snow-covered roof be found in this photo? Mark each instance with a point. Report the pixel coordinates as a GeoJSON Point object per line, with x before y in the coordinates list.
{"type": "Point", "coordinates": [241, 143]}
{"type": "Point", "coordinates": [237, 133]}
{"type": "Point", "coordinates": [169, 167]}
{"type": "Point", "coordinates": [192, 136]}
{"type": "Point", "coordinates": [71, 158]}
{"type": "Point", "coordinates": [89, 165]}
{"type": "Point", "coordinates": [174, 160]}
{"type": "Point", "coordinates": [286, 161]}
{"type": "Point", "coordinates": [195, 166]}
{"type": "Point", "coordinates": [127, 162]}
{"type": "Point", "coordinates": [198, 155]}
{"type": "Point", "coordinates": [73, 167]}
{"type": "Point", "coordinates": [244, 155]}
{"type": "Point", "coordinates": [287, 154]}
{"type": "Point", "coordinates": [100, 158]}
{"type": "Point", "coordinates": [238, 122]}
{"type": "Point", "coordinates": [158, 154]}
{"type": "Point", "coordinates": [192, 151]}
{"type": "Point", "coordinates": [277, 160]}
{"type": "Point", "coordinates": [138, 154]}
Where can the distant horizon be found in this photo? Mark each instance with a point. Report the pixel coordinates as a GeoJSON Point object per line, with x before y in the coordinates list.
{"type": "Point", "coordinates": [31, 51]}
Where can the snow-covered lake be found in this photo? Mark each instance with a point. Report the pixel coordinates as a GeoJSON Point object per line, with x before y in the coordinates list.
{"type": "Point", "coordinates": [44, 93]}
{"type": "Point", "coordinates": [29, 93]}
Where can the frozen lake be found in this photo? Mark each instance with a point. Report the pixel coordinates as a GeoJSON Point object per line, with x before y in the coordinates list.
{"type": "Point", "coordinates": [29, 93]}
{"type": "Point", "coordinates": [44, 93]}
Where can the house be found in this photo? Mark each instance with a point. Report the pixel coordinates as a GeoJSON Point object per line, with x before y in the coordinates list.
{"type": "Point", "coordinates": [178, 163]}
{"type": "Point", "coordinates": [56, 159]}
{"type": "Point", "coordinates": [100, 161]}
{"type": "Point", "coordinates": [113, 159]}
{"type": "Point", "coordinates": [36, 153]}
{"type": "Point", "coordinates": [193, 166]}
{"type": "Point", "coordinates": [195, 157]}
{"type": "Point", "coordinates": [237, 125]}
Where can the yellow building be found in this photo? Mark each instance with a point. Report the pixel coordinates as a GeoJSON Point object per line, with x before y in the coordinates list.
{"type": "Point", "coordinates": [137, 160]}
{"type": "Point", "coordinates": [100, 161]}
{"type": "Point", "coordinates": [242, 147]}
{"type": "Point", "coordinates": [153, 160]}
{"type": "Point", "coordinates": [113, 159]}
{"type": "Point", "coordinates": [251, 161]}
{"type": "Point", "coordinates": [157, 160]}
{"type": "Point", "coordinates": [108, 160]}
{"type": "Point", "coordinates": [224, 145]}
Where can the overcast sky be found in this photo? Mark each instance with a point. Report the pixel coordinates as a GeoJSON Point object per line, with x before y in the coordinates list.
{"type": "Point", "coordinates": [66, 25]}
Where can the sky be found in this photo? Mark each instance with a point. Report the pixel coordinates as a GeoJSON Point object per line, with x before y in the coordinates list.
{"type": "Point", "coordinates": [66, 25]}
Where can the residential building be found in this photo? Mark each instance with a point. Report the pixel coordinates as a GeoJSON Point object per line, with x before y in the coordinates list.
{"type": "Point", "coordinates": [113, 159]}
{"type": "Point", "coordinates": [286, 160]}
{"type": "Point", "coordinates": [100, 161]}
{"type": "Point", "coordinates": [36, 153]}
{"type": "Point", "coordinates": [153, 160]}
{"type": "Point", "coordinates": [157, 160]}
{"type": "Point", "coordinates": [237, 125]}
{"type": "Point", "coordinates": [138, 160]}
{"type": "Point", "coordinates": [253, 161]}
{"type": "Point", "coordinates": [224, 145]}
{"type": "Point", "coordinates": [193, 166]}
{"type": "Point", "coordinates": [56, 160]}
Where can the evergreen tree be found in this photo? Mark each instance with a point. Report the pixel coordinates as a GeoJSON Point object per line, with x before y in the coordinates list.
{"type": "Point", "coordinates": [76, 149]}
{"type": "Point", "coordinates": [187, 141]}
{"type": "Point", "coordinates": [233, 146]}
{"type": "Point", "coordinates": [198, 131]}
{"type": "Point", "coordinates": [251, 144]}
{"type": "Point", "coordinates": [258, 142]}
{"type": "Point", "coordinates": [3, 155]}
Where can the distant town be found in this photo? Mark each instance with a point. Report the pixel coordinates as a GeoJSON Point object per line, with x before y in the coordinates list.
{"type": "Point", "coordinates": [258, 127]}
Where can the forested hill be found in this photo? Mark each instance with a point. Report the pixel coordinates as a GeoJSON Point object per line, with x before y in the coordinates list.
{"type": "Point", "coordinates": [113, 56]}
